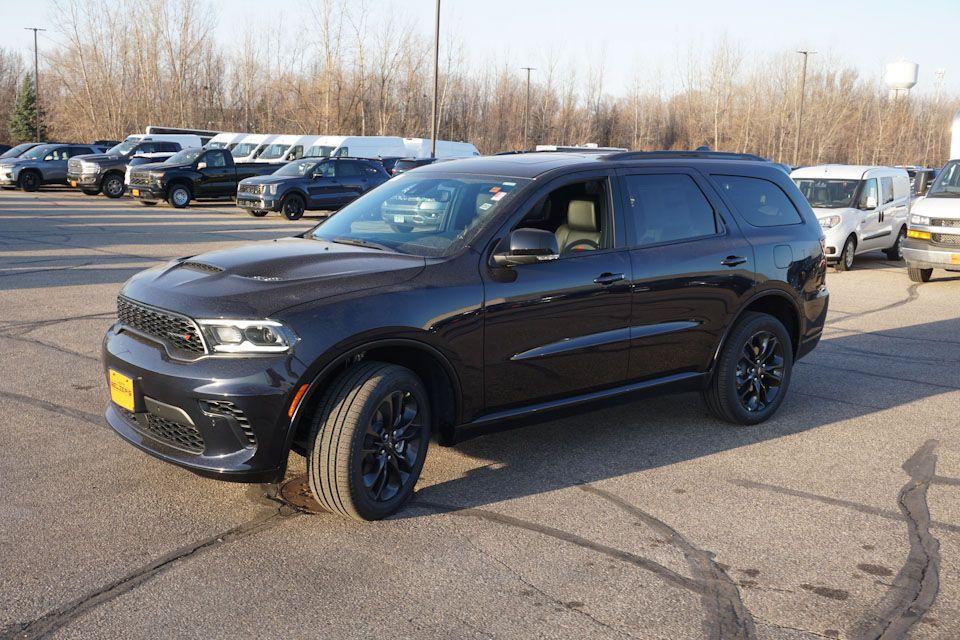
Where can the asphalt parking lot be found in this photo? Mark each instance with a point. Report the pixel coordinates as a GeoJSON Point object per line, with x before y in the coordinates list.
{"type": "Point", "coordinates": [839, 518]}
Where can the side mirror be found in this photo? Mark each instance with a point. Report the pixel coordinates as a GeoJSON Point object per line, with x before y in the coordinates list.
{"type": "Point", "coordinates": [201, 166]}
{"type": "Point", "coordinates": [871, 202]}
{"type": "Point", "coordinates": [526, 246]}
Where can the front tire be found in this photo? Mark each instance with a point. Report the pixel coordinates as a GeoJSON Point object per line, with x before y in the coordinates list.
{"type": "Point", "coordinates": [30, 181]}
{"type": "Point", "coordinates": [368, 441]}
{"type": "Point", "coordinates": [293, 207]}
{"type": "Point", "coordinates": [919, 275]}
{"type": "Point", "coordinates": [845, 262]}
{"type": "Point", "coordinates": [179, 196]}
{"type": "Point", "coordinates": [752, 374]}
{"type": "Point", "coordinates": [112, 185]}
{"type": "Point", "coordinates": [896, 251]}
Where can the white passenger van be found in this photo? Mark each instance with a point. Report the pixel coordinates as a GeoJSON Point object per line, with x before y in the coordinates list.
{"type": "Point", "coordinates": [185, 140]}
{"type": "Point", "coordinates": [286, 148]}
{"type": "Point", "coordinates": [860, 208]}
{"type": "Point", "coordinates": [420, 148]}
{"type": "Point", "coordinates": [225, 140]}
{"type": "Point", "coordinates": [358, 147]}
{"type": "Point", "coordinates": [250, 146]}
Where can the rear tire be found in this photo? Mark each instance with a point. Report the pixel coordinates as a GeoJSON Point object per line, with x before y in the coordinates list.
{"type": "Point", "coordinates": [30, 181]}
{"type": "Point", "coordinates": [292, 207]}
{"type": "Point", "coordinates": [752, 374]}
{"type": "Point", "coordinates": [368, 441]}
{"type": "Point", "coordinates": [845, 261]}
{"type": "Point", "coordinates": [112, 185]}
{"type": "Point", "coordinates": [919, 275]}
{"type": "Point", "coordinates": [257, 213]}
{"type": "Point", "coordinates": [178, 196]}
{"type": "Point", "coordinates": [896, 251]}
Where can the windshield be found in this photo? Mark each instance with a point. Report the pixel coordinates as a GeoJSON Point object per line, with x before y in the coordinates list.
{"type": "Point", "coordinates": [243, 149]}
{"type": "Point", "coordinates": [427, 216]}
{"type": "Point", "coordinates": [405, 165]}
{"type": "Point", "coordinates": [274, 151]}
{"type": "Point", "coordinates": [216, 145]}
{"type": "Point", "coordinates": [17, 150]}
{"type": "Point", "coordinates": [124, 148]}
{"type": "Point", "coordinates": [187, 156]}
{"type": "Point", "coordinates": [828, 194]}
{"type": "Point", "coordinates": [320, 151]}
{"type": "Point", "coordinates": [297, 168]}
{"type": "Point", "coordinates": [947, 184]}
{"type": "Point", "coordinates": [40, 152]}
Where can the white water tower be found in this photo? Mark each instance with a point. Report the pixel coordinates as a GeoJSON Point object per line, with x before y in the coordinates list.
{"type": "Point", "coordinates": [901, 77]}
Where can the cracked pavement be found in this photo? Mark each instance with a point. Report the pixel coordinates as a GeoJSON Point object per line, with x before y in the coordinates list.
{"type": "Point", "coordinates": [840, 518]}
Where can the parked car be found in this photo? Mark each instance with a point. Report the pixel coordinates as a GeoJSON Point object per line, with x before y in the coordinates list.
{"type": "Point", "coordinates": [192, 174]}
{"type": "Point", "coordinates": [250, 147]}
{"type": "Point", "coordinates": [933, 237]}
{"type": "Point", "coordinates": [42, 164]}
{"type": "Point", "coordinates": [860, 208]}
{"type": "Point", "coordinates": [420, 148]}
{"type": "Point", "coordinates": [105, 172]}
{"type": "Point", "coordinates": [19, 150]}
{"type": "Point", "coordinates": [546, 284]}
{"type": "Point", "coordinates": [310, 184]}
{"type": "Point", "coordinates": [920, 179]}
{"type": "Point", "coordinates": [406, 164]}
{"type": "Point", "coordinates": [4, 148]}
{"type": "Point", "coordinates": [389, 162]}
{"type": "Point", "coordinates": [145, 158]}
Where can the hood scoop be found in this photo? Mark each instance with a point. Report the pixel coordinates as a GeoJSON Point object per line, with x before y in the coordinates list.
{"type": "Point", "coordinates": [200, 266]}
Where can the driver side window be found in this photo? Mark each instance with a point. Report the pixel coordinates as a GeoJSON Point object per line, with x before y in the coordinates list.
{"type": "Point", "coordinates": [215, 159]}
{"type": "Point", "coordinates": [869, 192]}
{"type": "Point", "coordinates": [578, 214]}
{"type": "Point", "coordinates": [324, 170]}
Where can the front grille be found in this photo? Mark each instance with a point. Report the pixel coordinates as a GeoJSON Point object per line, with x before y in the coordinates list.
{"type": "Point", "coordinates": [73, 166]}
{"type": "Point", "coordinates": [945, 239]}
{"type": "Point", "coordinates": [176, 331]}
{"type": "Point", "coordinates": [250, 188]}
{"type": "Point", "coordinates": [181, 436]}
{"type": "Point", "coordinates": [200, 266]}
{"type": "Point", "coordinates": [944, 222]}
{"type": "Point", "coordinates": [140, 179]}
{"type": "Point", "coordinates": [226, 408]}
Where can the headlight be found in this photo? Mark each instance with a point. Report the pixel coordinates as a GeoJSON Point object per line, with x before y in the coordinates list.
{"type": "Point", "coordinates": [89, 167]}
{"type": "Point", "coordinates": [923, 221]}
{"type": "Point", "coordinates": [247, 336]}
{"type": "Point", "coordinates": [829, 222]}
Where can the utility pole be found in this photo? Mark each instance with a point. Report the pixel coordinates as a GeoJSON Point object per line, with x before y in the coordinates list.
{"type": "Point", "coordinates": [436, 82]}
{"type": "Point", "coordinates": [36, 76]}
{"type": "Point", "coordinates": [526, 110]}
{"type": "Point", "coordinates": [803, 91]}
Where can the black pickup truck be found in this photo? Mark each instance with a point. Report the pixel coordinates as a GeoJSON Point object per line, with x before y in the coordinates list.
{"type": "Point", "coordinates": [193, 174]}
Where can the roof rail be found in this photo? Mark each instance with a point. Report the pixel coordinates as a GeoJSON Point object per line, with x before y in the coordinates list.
{"type": "Point", "coordinates": [710, 155]}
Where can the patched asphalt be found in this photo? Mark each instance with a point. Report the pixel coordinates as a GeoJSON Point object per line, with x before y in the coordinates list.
{"type": "Point", "coordinates": [839, 518]}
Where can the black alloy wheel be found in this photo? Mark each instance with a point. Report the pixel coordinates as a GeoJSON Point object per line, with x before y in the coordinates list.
{"type": "Point", "coordinates": [293, 207]}
{"type": "Point", "coordinates": [391, 446]}
{"type": "Point", "coordinates": [760, 371]}
{"type": "Point", "coordinates": [29, 181]}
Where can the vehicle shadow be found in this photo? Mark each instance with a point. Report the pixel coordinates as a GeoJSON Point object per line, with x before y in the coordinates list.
{"type": "Point", "coordinates": [846, 377]}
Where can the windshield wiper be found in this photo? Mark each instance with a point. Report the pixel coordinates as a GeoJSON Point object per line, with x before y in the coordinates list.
{"type": "Point", "coordinates": [357, 242]}
{"type": "Point", "coordinates": [944, 194]}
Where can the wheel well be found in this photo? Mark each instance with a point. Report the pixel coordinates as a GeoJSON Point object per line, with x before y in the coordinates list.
{"type": "Point", "coordinates": [429, 367]}
{"type": "Point", "coordinates": [180, 182]}
{"type": "Point", "coordinates": [32, 171]}
{"type": "Point", "coordinates": [853, 236]}
{"type": "Point", "coordinates": [781, 309]}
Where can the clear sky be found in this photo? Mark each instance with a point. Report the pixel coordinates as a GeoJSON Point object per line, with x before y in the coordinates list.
{"type": "Point", "coordinates": [628, 34]}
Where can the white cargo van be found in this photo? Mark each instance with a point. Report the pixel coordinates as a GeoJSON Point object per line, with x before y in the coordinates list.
{"type": "Point", "coordinates": [225, 140]}
{"type": "Point", "coordinates": [286, 148]}
{"type": "Point", "coordinates": [933, 239]}
{"type": "Point", "coordinates": [860, 208]}
{"type": "Point", "coordinates": [250, 146]}
{"type": "Point", "coordinates": [358, 147]}
{"type": "Point", "coordinates": [955, 138]}
{"type": "Point", "coordinates": [184, 140]}
{"type": "Point", "coordinates": [420, 148]}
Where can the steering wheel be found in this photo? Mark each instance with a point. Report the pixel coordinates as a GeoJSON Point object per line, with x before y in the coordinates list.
{"type": "Point", "coordinates": [581, 245]}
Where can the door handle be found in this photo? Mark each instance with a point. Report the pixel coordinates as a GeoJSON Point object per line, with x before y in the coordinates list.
{"type": "Point", "coordinates": [606, 279]}
{"type": "Point", "coordinates": [733, 261]}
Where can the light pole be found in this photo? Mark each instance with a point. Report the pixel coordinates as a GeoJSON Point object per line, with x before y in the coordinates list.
{"type": "Point", "coordinates": [36, 77]}
{"type": "Point", "coordinates": [436, 82]}
{"type": "Point", "coordinates": [526, 110]}
{"type": "Point", "coordinates": [803, 90]}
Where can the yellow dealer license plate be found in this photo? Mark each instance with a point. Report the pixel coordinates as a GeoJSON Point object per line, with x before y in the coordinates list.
{"type": "Point", "coordinates": [73, 183]}
{"type": "Point", "coordinates": [121, 390]}
{"type": "Point", "coordinates": [136, 193]}
{"type": "Point", "coordinates": [955, 258]}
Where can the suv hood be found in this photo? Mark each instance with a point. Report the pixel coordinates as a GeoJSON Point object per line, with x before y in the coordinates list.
{"type": "Point", "coordinates": [258, 279]}
{"type": "Point", "coordinates": [271, 179]}
{"type": "Point", "coordinates": [937, 207]}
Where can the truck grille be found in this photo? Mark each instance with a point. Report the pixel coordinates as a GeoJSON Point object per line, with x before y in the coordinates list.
{"type": "Point", "coordinates": [140, 179]}
{"type": "Point", "coordinates": [250, 188]}
{"type": "Point", "coordinates": [73, 166]}
{"type": "Point", "coordinates": [944, 222]}
{"type": "Point", "coordinates": [230, 410]}
{"type": "Point", "coordinates": [946, 239]}
{"type": "Point", "coordinates": [176, 331]}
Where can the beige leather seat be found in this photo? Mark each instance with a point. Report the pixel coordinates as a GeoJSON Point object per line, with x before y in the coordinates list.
{"type": "Point", "coordinates": [581, 227]}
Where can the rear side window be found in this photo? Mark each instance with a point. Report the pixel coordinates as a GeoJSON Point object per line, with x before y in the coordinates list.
{"type": "Point", "coordinates": [667, 207]}
{"type": "Point", "coordinates": [886, 187]}
{"type": "Point", "coordinates": [169, 146]}
{"type": "Point", "coordinates": [347, 169]}
{"type": "Point", "coordinates": [761, 202]}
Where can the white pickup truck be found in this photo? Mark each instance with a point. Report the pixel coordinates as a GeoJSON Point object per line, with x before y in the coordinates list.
{"type": "Point", "coordinates": [933, 236]}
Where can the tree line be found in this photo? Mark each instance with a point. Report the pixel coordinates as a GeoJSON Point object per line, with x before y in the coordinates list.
{"type": "Point", "coordinates": [352, 69]}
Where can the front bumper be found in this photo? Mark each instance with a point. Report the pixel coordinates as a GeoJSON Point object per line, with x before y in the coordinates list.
{"type": "Point", "coordinates": [146, 192]}
{"type": "Point", "coordinates": [258, 202]}
{"type": "Point", "coordinates": [8, 179]}
{"type": "Point", "coordinates": [84, 179]}
{"type": "Point", "coordinates": [924, 255]}
{"type": "Point", "coordinates": [220, 417]}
